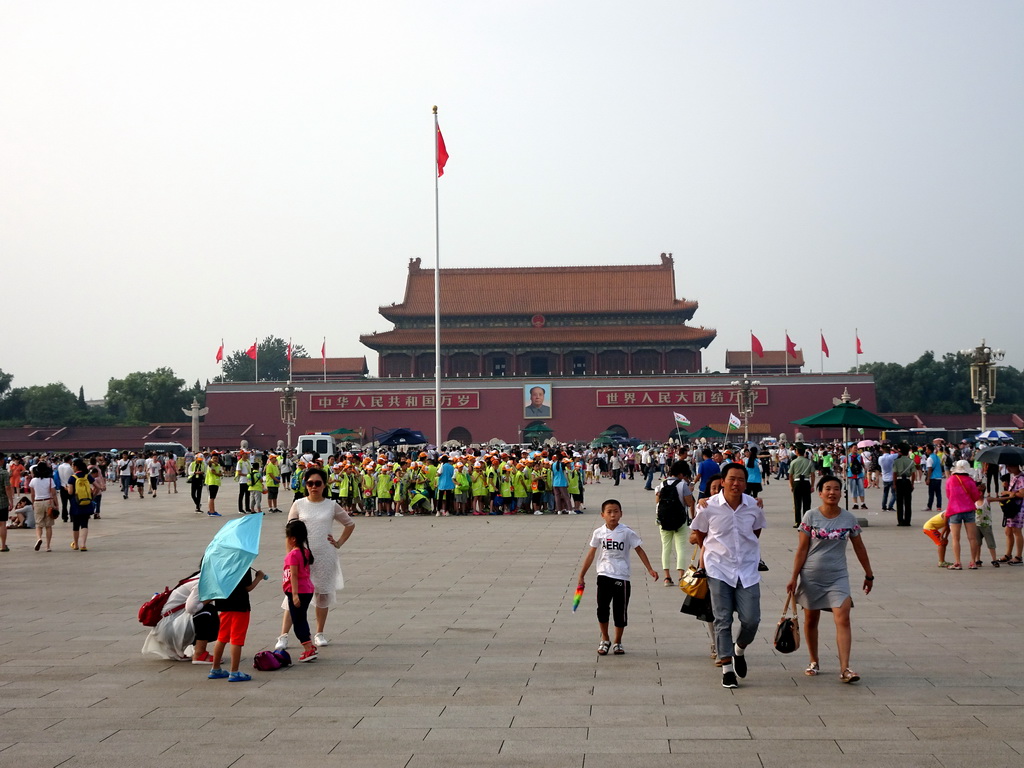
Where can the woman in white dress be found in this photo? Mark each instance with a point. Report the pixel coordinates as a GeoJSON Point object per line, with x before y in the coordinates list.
{"type": "Point", "coordinates": [319, 514]}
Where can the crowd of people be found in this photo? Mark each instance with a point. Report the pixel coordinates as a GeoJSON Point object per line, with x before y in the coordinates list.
{"type": "Point", "coordinates": [708, 497]}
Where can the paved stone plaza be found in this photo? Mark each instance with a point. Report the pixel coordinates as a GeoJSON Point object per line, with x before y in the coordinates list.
{"type": "Point", "coordinates": [454, 644]}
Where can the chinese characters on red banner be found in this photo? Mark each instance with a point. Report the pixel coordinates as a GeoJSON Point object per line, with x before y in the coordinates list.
{"type": "Point", "coordinates": [392, 401]}
{"type": "Point", "coordinates": [618, 398]}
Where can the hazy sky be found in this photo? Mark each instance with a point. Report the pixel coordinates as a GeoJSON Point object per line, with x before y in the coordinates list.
{"type": "Point", "coordinates": [174, 173]}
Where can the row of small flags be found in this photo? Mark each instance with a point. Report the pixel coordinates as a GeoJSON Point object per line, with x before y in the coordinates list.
{"type": "Point", "coordinates": [758, 349]}
{"type": "Point", "coordinates": [252, 352]}
{"type": "Point", "coordinates": [682, 421]}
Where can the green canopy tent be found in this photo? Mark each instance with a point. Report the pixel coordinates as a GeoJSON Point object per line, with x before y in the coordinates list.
{"type": "Point", "coordinates": [345, 433]}
{"type": "Point", "coordinates": [538, 431]}
{"type": "Point", "coordinates": [846, 413]}
{"type": "Point", "coordinates": [707, 433]}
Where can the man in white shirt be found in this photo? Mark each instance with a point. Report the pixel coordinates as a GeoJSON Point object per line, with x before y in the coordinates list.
{"type": "Point", "coordinates": [728, 529]}
{"type": "Point", "coordinates": [885, 462]}
{"type": "Point", "coordinates": [64, 471]}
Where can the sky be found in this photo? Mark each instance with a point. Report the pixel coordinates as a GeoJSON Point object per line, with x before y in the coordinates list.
{"type": "Point", "coordinates": [186, 172]}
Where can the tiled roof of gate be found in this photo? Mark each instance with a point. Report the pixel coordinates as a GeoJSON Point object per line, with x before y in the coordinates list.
{"type": "Point", "coordinates": [542, 290]}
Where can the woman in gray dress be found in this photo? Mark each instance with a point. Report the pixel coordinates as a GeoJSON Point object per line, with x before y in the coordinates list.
{"type": "Point", "coordinates": [824, 581]}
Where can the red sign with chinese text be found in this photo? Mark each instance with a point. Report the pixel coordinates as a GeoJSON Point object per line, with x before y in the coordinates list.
{"type": "Point", "coordinates": [618, 398]}
{"type": "Point", "coordinates": [392, 401]}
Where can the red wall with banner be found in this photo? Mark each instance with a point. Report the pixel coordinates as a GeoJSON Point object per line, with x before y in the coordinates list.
{"type": "Point", "coordinates": [576, 409]}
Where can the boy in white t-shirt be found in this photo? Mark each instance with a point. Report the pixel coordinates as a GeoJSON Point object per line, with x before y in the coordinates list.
{"type": "Point", "coordinates": [611, 544]}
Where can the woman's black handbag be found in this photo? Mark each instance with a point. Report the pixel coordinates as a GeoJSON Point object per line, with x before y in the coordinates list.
{"type": "Point", "coordinates": [787, 631]}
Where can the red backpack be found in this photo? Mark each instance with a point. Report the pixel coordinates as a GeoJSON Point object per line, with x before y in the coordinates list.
{"type": "Point", "coordinates": [152, 610]}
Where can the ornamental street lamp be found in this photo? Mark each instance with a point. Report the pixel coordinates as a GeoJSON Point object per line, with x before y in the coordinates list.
{"type": "Point", "coordinates": [745, 402]}
{"type": "Point", "coordinates": [983, 375]}
{"type": "Point", "coordinates": [288, 409]}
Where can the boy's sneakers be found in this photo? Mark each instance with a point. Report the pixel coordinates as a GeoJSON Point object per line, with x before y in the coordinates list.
{"type": "Point", "coordinates": [282, 643]}
{"type": "Point", "coordinates": [309, 655]}
{"type": "Point", "coordinates": [320, 640]}
{"type": "Point", "coordinates": [729, 680]}
{"type": "Point", "coordinates": [202, 658]}
{"type": "Point", "coordinates": [217, 674]}
{"type": "Point", "coordinates": [213, 514]}
{"type": "Point", "coordinates": [238, 677]}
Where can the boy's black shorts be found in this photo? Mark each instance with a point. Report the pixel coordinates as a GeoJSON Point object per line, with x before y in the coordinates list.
{"type": "Point", "coordinates": [613, 593]}
{"type": "Point", "coordinates": [206, 624]}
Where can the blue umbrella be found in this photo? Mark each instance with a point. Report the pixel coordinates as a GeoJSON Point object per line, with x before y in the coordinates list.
{"type": "Point", "coordinates": [993, 434]}
{"type": "Point", "coordinates": [229, 556]}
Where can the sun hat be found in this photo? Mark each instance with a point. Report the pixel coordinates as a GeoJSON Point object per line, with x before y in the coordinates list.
{"type": "Point", "coordinates": [962, 467]}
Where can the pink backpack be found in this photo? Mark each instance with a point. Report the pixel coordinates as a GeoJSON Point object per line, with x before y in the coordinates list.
{"type": "Point", "coordinates": [268, 661]}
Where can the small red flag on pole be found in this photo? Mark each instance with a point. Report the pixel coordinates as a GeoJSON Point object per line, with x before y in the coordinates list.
{"type": "Point", "coordinates": [220, 351]}
{"type": "Point", "coordinates": [790, 347]}
{"type": "Point", "coordinates": [442, 154]}
{"type": "Point", "coordinates": [251, 351]}
{"type": "Point", "coordinates": [755, 346]}
{"type": "Point", "coordinates": [860, 349]}
{"type": "Point", "coordinates": [824, 346]}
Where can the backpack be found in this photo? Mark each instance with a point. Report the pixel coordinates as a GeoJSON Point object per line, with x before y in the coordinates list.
{"type": "Point", "coordinates": [152, 610]}
{"type": "Point", "coordinates": [856, 465]}
{"type": "Point", "coordinates": [83, 490]}
{"type": "Point", "coordinates": [671, 512]}
{"type": "Point", "coordinates": [268, 661]}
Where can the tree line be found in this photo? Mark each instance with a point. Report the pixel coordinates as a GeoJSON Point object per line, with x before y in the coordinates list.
{"type": "Point", "coordinates": [930, 385]}
{"type": "Point", "coordinates": [142, 397]}
{"type": "Point", "coordinates": [927, 385]}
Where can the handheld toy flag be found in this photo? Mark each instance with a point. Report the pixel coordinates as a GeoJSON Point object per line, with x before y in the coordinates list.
{"type": "Point", "coordinates": [577, 597]}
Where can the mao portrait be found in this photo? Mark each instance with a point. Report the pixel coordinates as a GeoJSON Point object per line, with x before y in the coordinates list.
{"type": "Point", "coordinates": [537, 401]}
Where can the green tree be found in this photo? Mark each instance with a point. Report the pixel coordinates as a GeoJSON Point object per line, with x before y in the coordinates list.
{"type": "Point", "coordinates": [147, 396]}
{"type": "Point", "coordinates": [928, 385]}
{"type": "Point", "coordinates": [272, 358]}
{"type": "Point", "coordinates": [5, 383]}
{"type": "Point", "coordinates": [52, 405]}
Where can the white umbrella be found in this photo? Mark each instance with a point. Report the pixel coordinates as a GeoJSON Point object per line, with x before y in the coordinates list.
{"type": "Point", "coordinates": [993, 434]}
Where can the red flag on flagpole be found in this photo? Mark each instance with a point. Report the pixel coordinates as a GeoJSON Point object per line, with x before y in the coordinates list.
{"type": "Point", "coordinates": [251, 351]}
{"type": "Point", "coordinates": [860, 349]}
{"type": "Point", "coordinates": [323, 351]}
{"type": "Point", "coordinates": [442, 154]}
{"type": "Point", "coordinates": [824, 346]}
{"type": "Point", "coordinates": [790, 347]}
{"type": "Point", "coordinates": [755, 346]}
{"type": "Point", "coordinates": [289, 352]}
{"type": "Point", "coordinates": [220, 352]}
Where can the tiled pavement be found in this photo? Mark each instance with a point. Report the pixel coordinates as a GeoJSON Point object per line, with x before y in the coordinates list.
{"type": "Point", "coordinates": [455, 645]}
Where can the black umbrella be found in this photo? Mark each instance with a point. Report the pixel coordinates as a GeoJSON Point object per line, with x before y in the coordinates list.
{"type": "Point", "coordinates": [401, 436]}
{"type": "Point", "coordinates": [1001, 454]}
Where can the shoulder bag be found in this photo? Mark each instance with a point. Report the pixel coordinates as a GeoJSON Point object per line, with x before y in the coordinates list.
{"type": "Point", "coordinates": [787, 631]}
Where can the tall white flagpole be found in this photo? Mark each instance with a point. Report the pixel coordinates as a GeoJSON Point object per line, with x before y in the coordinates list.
{"type": "Point", "coordinates": [437, 293]}
{"type": "Point", "coordinates": [787, 351]}
{"type": "Point", "coordinates": [289, 359]}
{"type": "Point", "coordinates": [256, 359]}
{"type": "Point", "coordinates": [821, 350]}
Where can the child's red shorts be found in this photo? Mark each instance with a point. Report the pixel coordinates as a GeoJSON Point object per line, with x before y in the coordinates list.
{"type": "Point", "coordinates": [233, 627]}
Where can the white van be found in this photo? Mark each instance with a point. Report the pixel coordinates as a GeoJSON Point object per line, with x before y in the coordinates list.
{"type": "Point", "coordinates": [320, 442]}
